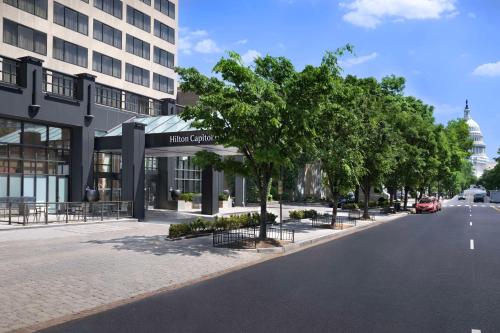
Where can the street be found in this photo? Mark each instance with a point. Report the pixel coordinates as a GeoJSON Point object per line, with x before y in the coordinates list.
{"type": "Point", "coordinates": [420, 273]}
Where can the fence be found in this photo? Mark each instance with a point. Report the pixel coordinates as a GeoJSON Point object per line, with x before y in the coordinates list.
{"type": "Point", "coordinates": [325, 220]}
{"type": "Point", "coordinates": [49, 212]}
{"type": "Point", "coordinates": [247, 237]}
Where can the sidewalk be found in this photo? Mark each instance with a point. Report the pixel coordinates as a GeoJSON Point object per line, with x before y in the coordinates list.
{"type": "Point", "coordinates": [61, 273]}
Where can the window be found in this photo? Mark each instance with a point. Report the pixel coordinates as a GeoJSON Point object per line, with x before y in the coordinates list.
{"type": "Point", "coordinates": [24, 37]}
{"type": "Point", "coordinates": [163, 57]}
{"type": "Point", "coordinates": [138, 19]}
{"type": "Point", "coordinates": [166, 7]}
{"type": "Point", "coordinates": [137, 47]}
{"type": "Point", "coordinates": [136, 75]}
{"type": "Point", "coordinates": [137, 103]}
{"type": "Point", "coordinates": [163, 83]}
{"type": "Point", "coordinates": [35, 7]}
{"type": "Point", "coordinates": [113, 7]}
{"type": "Point", "coordinates": [69, 52]}
{"type": "Point", "coordinates": [106, 34]}
{"type": "Point", "coordinates": [71, 19]}
{"type": "Point", "coordinates": [108, 96]}
{"type": "Point", "coordinates": [103, 64]}
{"type": "Point", "coordinates": [147, 2]}
{"type": "Point", "coordinates": [164, 32]}
{"type": "Point", "coordinates": [58, 83]}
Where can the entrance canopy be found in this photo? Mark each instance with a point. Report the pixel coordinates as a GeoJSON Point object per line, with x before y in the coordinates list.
{"type": "Point", "coordinates": [165, 136]}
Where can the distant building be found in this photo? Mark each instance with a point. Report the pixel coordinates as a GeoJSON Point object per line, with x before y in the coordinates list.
{"type": "Point", "coordinates": [480, 161]}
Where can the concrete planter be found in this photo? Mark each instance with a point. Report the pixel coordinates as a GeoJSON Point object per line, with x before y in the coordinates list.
{"type": "Point", "coordinates": [226, 203]}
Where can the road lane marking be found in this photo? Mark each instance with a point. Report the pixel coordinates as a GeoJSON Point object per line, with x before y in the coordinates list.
{"type": "Point", "coordinates": [472, 244]}
{"type": "Point", "coordinates": [470, 224]}
{"type": "Point", "coordinates": [459, 205]}
{"type": "Point", "coordinates": [475, 331]}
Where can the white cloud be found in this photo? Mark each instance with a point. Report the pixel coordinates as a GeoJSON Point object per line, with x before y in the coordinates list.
{"type": "Point", "coordinates": [242, 42]}
{"type": "Point", "coordinates": [490, 69]}
{"type": "Point", "coordinates": [207, 46]}
{"type": "Point", "coordinates": [249, 57]}
{"type": "Point", "coordinates": [358, 60]}
{"type": "Point", "coordinates": [370, 13]}
{"type": "Point", "coordinates": [471, 15]}
{"type": "Point", "coordinates": [196, 41]}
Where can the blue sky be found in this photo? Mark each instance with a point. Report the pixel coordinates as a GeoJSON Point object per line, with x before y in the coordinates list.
{"type": "Point", "coordinates": [448, 50]}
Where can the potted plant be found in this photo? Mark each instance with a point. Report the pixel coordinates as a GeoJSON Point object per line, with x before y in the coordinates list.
{"type": "Point", "coordinates": [225, 200]}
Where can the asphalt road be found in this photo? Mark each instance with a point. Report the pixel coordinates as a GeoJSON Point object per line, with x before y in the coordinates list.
{"type": "Point", "coordinates": [416, 274]}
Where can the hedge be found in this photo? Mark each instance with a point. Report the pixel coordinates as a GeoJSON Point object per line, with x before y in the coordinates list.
{"type": "Point", "coordinates": [303, 214]}
{"type": "Point", "coordinates": [199, 225]}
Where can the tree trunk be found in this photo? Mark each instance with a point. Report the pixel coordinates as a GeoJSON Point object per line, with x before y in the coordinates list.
{"type": "Point", "coordinates": [405, 205]}
{"type": "Point", "coordinates": [263, 215]}
{"type": "Point", "coordinates": [263, 189]}
{"type": "Point", "coordinates": [335, 200]}
{"type": "Point", "coordinates": [366, 191]}
{"type": "Point", "coordinates": [356, 194]}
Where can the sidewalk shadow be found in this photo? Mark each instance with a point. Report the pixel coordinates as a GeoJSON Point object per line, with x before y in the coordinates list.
{"type": "Point", "coordinates": [159, 246]}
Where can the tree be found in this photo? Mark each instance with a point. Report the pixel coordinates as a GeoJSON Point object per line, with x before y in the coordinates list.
{"type": "Point", "coordinates": [338, 138]}
{"type": "Point", "coordinates": [371, 108]}
{"type": "Point", "coordinates": [260, 110]}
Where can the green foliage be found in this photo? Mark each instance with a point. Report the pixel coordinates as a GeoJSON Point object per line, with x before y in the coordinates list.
{"type": "Point", "coordinates": [350, 206]}
{"type": "Point", "coordinates": [187, 196]}
{"type": "Point", "coordinates": [491, 178]}
{"type": "Point", "coordinates": [303, 214]}
{"type": "Point", "coordinates": [223, 197]}
{"type": "Point", "coordinates": [200, 225]}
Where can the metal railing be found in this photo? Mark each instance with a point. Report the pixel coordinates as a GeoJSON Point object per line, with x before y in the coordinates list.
{"type": "Point", "coordinates": [50, 212]}
{"type": "Point", "coordinates": [321, 221]}
{"type": "Point", "coordinates": [124, 100]}
{"type": "Point", "coordinates": [59, 84]}
{"type": "Point", "coordinates": [9, 70]}
{"type": "Point", "coordinates": [242, 238]}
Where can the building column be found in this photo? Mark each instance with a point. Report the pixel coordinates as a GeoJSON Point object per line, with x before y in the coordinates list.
{"type": "Point", "coordinates": [240, 198]}
{"type": "Point", "coordinates": [209, 193]}
{"type": "Point", "coordinates": [239, 188]}
{"type": "Point", "coordinates": [133, 154]}
{"type": "Point", "coordinates": [82, 142]}
{"type": "Point", "coordinates": [82, 166]}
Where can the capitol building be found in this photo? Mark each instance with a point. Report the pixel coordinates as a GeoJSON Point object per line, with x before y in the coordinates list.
{"type": "Point", "coordinates": [480, 161]}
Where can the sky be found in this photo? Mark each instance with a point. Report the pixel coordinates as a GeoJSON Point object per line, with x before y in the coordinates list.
{"type": "Point", "coordinates": [448, 50]}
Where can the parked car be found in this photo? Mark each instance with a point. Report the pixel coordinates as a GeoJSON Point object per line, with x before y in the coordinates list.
{"type": "Point", "coordinates": [461, 196]}
{"type": "Point", "coordinates": [479, 197]}
{"type": "Point", "coordinates": [428, 205]}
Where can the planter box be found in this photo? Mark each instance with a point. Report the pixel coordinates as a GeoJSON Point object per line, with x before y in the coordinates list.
{"type": "Point", "coordinates": [179, 205]}
{"type": "Point", "coordinates": [226, 204]}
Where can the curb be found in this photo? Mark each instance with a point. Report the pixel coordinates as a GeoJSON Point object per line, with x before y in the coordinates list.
{"type": "Point", "coordinates": [65, 224]}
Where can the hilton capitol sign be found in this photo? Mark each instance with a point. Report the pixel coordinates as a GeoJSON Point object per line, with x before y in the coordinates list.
{"type": "Point", "coordinates": [189, 138]}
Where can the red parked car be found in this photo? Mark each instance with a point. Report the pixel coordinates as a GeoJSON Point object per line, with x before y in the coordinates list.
{"type": "Point", "coordinates": [428, 205]}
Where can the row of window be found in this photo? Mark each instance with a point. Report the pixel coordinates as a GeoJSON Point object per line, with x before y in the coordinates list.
{"type": "Point", "coordinates": [36, 41]}
{"type": "Point", "coordinates": [77, 21]}
{"type": "Point", "coordinates": [125, 100]}
{"type": "Point", "coordinates": [113, 7]}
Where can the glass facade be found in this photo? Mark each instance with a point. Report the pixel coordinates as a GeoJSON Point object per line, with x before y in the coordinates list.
{"type": "Point", "coordinates": [187, 175]}
{"type": "Point", "coordinates": [34, 161]}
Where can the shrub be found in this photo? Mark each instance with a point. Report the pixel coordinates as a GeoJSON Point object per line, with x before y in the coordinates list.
{"type": "Point", "coordinates": [303, 214]}
{"type": "Point", "coordinates": [179, 230]}
{"type": "Point", "coordinates": [310, 213]}
{"type": "Point", "coordinates": [350, 206]}
{"type": "Point", "coordinates": [372, 204]}
{"type": "Point", "coordinates": [223, 197]}
{"type": "Point", "coordinates": [269, 197]}
{"type": "Point", "coordinates": [297, 214]}
{"type": "Point", "coordinates": [186, 196]}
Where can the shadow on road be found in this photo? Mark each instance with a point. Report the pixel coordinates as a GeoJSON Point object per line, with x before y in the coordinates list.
{"type": "Point", "coordinates": [158, 245]}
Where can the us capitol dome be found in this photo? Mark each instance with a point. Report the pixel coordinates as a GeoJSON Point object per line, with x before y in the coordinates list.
{"type": "Point", "coordinates": [480, 161]}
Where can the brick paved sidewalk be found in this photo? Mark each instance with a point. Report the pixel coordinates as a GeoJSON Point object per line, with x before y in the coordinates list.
{"type": "Point", "coordinates": [54, 272]}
